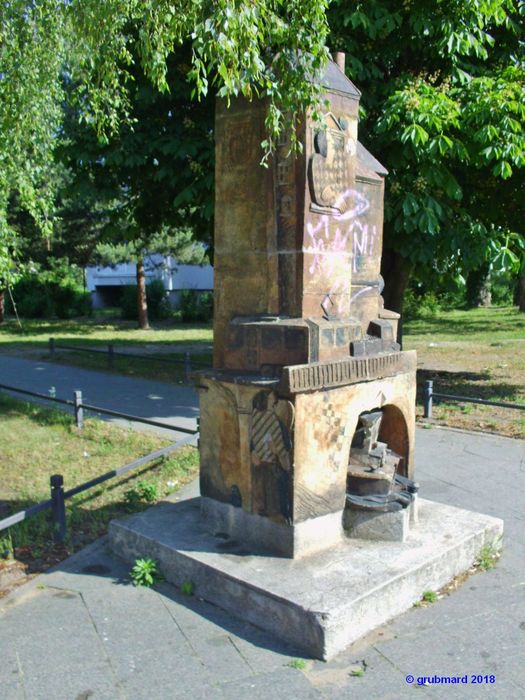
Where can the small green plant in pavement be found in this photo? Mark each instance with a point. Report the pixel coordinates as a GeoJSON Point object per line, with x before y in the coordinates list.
{"type": "Point", "coordinates": [488, 556]}
{"type": "Point", "coordinates": [6, 545]}
{"type": "Point", "coordinates": [187, 588]}
{"type": "Point", "coordinates": [297, 663]}
{"type": "Point", "coordinates": [357, 672]}
{"type": "Point", "coordinates": [145, 572]}
{"type": "Point", "coordinates": [426, 598]}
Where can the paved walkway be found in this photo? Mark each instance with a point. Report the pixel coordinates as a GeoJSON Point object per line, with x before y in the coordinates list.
{"type": "Point", "coordinates": [82, 631]}
{"type": "Point", "coordinates": [172, 404]}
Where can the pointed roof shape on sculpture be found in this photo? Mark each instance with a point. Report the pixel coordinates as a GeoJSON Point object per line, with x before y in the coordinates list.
{"type": "Point", "coordinates": [369, 160]}
{"type": "Point", "coordinates": [335, 80]}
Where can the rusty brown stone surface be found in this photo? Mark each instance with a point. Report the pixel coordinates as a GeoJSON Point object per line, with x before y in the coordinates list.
{"type": "Point", "coordinates": [325, 375]}
{"type": "Point", "coordinates": [302, 343]}
{"type": "Point", "coordinates": [288, 457]}
{"type": "Point", "coordinates": [291, 235]}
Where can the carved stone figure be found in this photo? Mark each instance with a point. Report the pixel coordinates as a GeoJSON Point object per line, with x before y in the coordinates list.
{"type": "Point", "coordinates": [270, 445]}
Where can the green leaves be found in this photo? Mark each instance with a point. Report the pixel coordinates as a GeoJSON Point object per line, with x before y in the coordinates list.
{"type": "Point", "coordinates": [508, 253]}
{"type": "Point", "coordinates": [253, 48]}
{"type": "Point", "coordinates": [262, 49]}
{"type": "Point", "coordinates": [415, 134]}
{"type": "Point", "coordinates": [145, 572]}
{"type": "Point", "coordinates": [503, 169]}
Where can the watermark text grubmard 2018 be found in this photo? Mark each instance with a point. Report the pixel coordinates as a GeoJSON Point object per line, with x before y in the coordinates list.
{"type": "Point", "coordinates": [466, 679]}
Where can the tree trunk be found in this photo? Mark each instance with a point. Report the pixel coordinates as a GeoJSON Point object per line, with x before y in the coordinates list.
{"type": "Point", "coordinates": [396, 271]}
{"type": "Point", "coordinates": [478, 287]}
{"type": "Point", "coordinates": [142, 304]}
{"type": "Point", "coordinates": [521, 291]}
{"type": "Point", "coordinates": [2, 306]}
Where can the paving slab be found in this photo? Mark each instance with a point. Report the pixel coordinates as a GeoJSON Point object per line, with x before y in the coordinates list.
{"type": "Point", "coordinates": [478, 640]}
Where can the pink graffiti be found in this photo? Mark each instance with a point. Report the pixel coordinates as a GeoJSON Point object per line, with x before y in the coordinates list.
{"type": "Point", "coordinates": [351, 205]}
{"type": "Point", "coordinates": [363, 242]}
{"type": "Point", "coordinates": [325, 247]}
{"type": "Point", "coordinates": [328, 245]}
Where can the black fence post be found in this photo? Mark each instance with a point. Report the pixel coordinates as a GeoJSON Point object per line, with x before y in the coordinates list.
{"type": "Point", "coordinates": [427, 398]}
{"type": "Point", "coordinates": [58, 508]}
{"type": "Point", "coordinates": [198, 431]}
{"type": "Point", "coordinates": [111, 355]}
{"type": "Point", "coordinates": [187, 367]}
{"type": "Point", "coordinates": [51, 348]}
{"type": "Point", "coordinates": [79, 411]}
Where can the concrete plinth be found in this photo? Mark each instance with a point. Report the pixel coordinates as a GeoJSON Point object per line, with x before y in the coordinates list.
{"type": "Point", "coordinates": [278, 539]}
{"type": "Point", "coordinates": [320, 603]}
{"type": "Point", "coordinates": [366, 525]}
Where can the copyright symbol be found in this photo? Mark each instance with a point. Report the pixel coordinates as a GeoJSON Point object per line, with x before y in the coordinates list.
{"type": "Point", "coordinates": [409, 679]}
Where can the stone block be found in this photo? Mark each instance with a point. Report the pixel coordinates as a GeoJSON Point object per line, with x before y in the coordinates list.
{"type": "Point", "coordinates": [365, 525]}
{"type": "Point", "coordinates": [320, 603]}
{"type": "Point", "coordinates": [381, 328]}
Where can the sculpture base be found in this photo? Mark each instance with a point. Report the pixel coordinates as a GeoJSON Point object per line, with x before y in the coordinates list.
{"type": "Point", "coordinates": [318, 604]}
{"type": "Point", "coordinates": [261, 533]}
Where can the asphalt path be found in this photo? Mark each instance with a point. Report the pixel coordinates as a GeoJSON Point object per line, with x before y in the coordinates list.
{"type": "Point", "coordinates": [172, 404]}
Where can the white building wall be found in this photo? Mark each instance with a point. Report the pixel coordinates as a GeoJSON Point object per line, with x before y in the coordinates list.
{"type": "Point", "coordinates": [174, 276]}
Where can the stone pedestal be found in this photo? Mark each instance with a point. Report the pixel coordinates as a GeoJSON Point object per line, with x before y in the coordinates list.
{"type": "Point", "coordinates": [319, 604]}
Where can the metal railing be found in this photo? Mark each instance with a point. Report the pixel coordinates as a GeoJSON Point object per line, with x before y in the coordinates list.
{"type": "Point", "coordinates": [429, 395]}
{"type": "Point", "coordinates": [57, 502]}
{"type": "Point", "coordinates": [79, 406]}
{"type": "Point", "coordinates": [187, 361]}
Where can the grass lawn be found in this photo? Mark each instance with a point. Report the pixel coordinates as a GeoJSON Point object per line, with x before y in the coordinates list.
{"type": "Point", "coordinates": [478, 353]}
{"type": "Point", "coordinates": [37, 442]}
{"type": "Point", "coordinates": [97, 331]}
{"type": "Point", "coordinates": [165, 340]}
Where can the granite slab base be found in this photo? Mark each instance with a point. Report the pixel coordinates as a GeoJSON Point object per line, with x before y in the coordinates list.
{"type": "Point", "coordinates": [321, 603]}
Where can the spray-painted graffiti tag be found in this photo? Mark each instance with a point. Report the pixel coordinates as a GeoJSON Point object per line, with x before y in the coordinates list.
{"type": "Point", "coordinates": [339, 244]}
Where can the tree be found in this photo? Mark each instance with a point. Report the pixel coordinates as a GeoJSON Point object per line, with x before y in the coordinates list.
{"type": "Point", "coordinates": [443, 109]}
{"type": "Point", "coordinates": [152, 182]}
{"type": "Point", "coordinates": [442, 98]}
{"type": "Point", "coordinates": [255, 48]}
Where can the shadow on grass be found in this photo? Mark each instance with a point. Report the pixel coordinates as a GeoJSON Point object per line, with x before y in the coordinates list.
{"type": "Point", "coordinates": [32, 539]}
{"type": "Point", "coordinates": [86, 326]}
{"type": "Point", "coordinates": [461, 324]}
{"type": "Point", "coordinates": [41, 415]}
{"type": "Point", "coordinates": [471, 384]}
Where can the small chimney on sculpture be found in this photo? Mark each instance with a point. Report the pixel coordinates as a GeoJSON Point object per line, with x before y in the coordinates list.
{"type": "Point", "coordinates": [339, 58]}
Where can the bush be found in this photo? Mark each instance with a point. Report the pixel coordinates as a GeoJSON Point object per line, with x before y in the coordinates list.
{"type": "Point", "coordinates": [417, 306]}
{"type": "Point", "coordinates": [41, 295]}
{"type": "Point", "coordinates": [196, 306]}
{"type": "Point", "coordinates": [156, 297]}
{"type": "Point", "coordinates": [503, 287]}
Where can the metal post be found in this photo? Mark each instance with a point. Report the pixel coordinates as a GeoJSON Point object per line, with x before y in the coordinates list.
{"type": "Point", "coordinates": [79, 411]}
{"type": "Point", "coordinates": [187, 367]}
{"type": "Point", "coordinates": [198, 431]}
{"type": "Point", "coordinates": [51, 348]}
{"type": "Point", "coordinates": [58, 508]}
{"type": "Point", "coordinates": [427, 398]}
{"type": "Point", "coordinates": [110, 355]}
